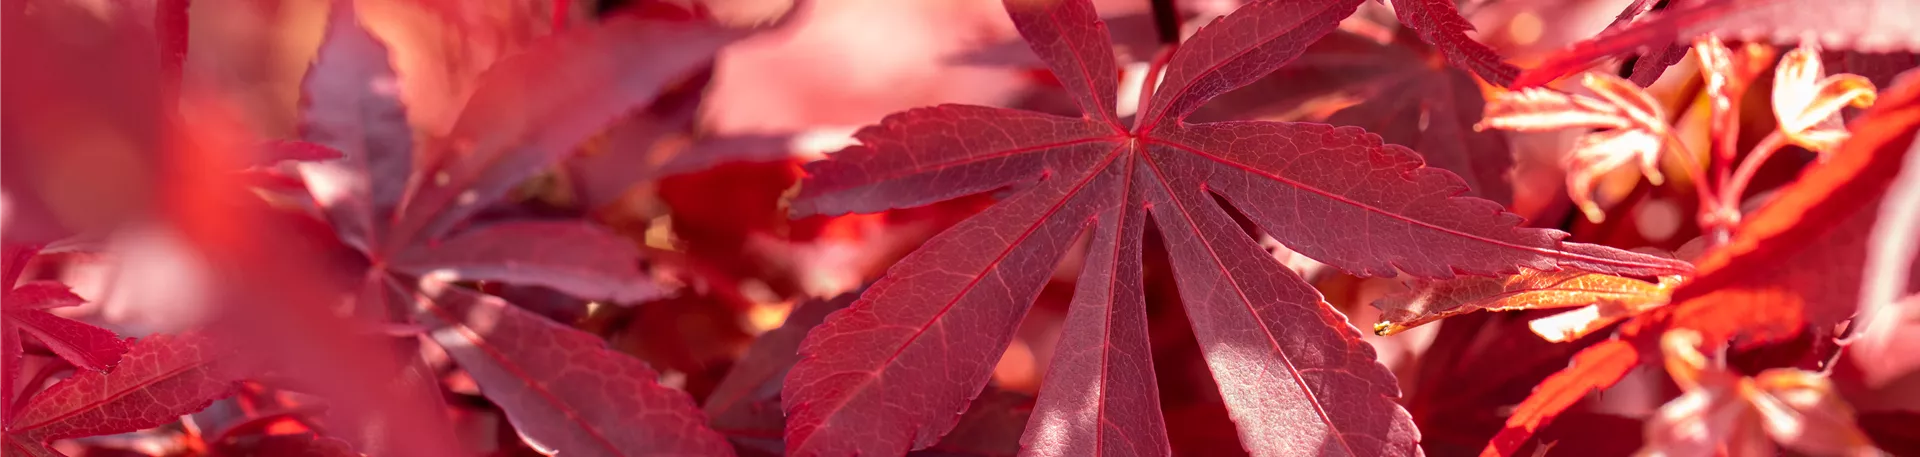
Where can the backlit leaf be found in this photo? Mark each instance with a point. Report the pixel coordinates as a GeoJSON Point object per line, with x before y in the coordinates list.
{"type": "Point", "coordinates": [1638, 130]}
{"type": "Point", "coordinates": [1607, 298]}
{"type": "Point", "coordinates": [1808, 102]}
{"type": "Point", "coordinates": [888, 374]}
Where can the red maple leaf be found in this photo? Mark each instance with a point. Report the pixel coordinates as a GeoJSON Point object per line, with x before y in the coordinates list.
{"type": "Point", "coordinates": [406, 212]}
{"type": "Point", "coordinates": [162, 378]}
{"type": "Point", "coordinates": [1405, 95]}
{"type": "Point", "coordinates": [26, 304]}
{"type": "Point", "coordinates": [888, 374]}
{"type": "Point", "coordinates": [1793, 265]}
{"type": "Point", "coordinates": [1441, 25]}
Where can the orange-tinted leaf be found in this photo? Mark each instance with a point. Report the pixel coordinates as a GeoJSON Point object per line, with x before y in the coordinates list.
{"type": "Point", "coordinates": [1434, 300]}
{"type": "Point", "coordinates": [1808, 102]}
{"type": "Point", "coordinates": [1797, 261]}
{"type": "Point", "coordinates": [1595, 368]}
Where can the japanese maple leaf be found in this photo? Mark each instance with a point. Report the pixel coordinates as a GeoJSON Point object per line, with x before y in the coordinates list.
{"type": "Point", "coordinates": [1793, 265]}
{"type": "Point", "coordinates": [26, 304]}
{"type": "Point", "coordinates": [528, 111]}
{"type": "Point", "coordinates": [1441, 25]}
{"type": "Point", "coordinates": [888, 374]}
{"type": "Point", "coordinates": [1406, 95]}
{"type": "Point", "coordinates": [162, 378]}
{"type": "Point", "coordinates": [1861, 25]}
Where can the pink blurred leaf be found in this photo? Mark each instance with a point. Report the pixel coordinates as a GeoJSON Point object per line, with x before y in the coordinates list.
{"type": "Point", "coordinates": [533, 108]}
{"type": "Point", "coordinates": [351, 104]}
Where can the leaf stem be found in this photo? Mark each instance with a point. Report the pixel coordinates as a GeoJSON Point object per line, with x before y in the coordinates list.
{"type": "Point", "coordinates": [1736, 186]}
{"type": "Point", "coordinates": [1711, 216]}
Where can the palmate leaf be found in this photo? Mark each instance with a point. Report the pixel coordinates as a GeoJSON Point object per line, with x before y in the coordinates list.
{"type": "Point", "coordinates": [407, 213]}
{"type": "Point", "coordinates": [888, 374]}
{"type": "Point", "coordinates": [1793, 265]}
{"type": "Point", "coordinates": [163, 377]}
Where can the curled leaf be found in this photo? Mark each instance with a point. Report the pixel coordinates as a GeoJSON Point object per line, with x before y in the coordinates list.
{"type": "Point", "coordinates": [1808, 102]}
{"type": "Point", "coordinates": [1638, 129]}
{"type": "Point", "coordinates": [1601, 298]}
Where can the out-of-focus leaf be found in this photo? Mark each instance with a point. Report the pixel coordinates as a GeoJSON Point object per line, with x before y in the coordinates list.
{"type": "Point", "coordinates": [1719, 409]}
{"type": "Point", "coordinates": [563, 389]}
{"type": "Point", "coordinates": [575, 257]}
{"type": "Point", "coordinates": [531, 109]}
{"type": "Point", "coordinates": [351, 104]}
{"type": "Point", "coordinates": [749, 397]}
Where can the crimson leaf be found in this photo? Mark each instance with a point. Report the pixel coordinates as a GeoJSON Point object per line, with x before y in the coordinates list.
{"type": "Point", "coordinates": [887, 374]}
{"type": "Point", "coordinates": [1405, 97]}
{"type": "Point", "coordinates": [563, 388]}
{"type": "Point", "coordinates": [162, 378]}
{"type": "Point", "coordinates": [1441, 25]}
{"type": "Point", "coordinates": [526, 113]}
{"type": "Point", "coordinates": [25, 310]}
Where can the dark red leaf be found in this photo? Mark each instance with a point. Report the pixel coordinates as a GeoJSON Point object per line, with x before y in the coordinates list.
{"type": "Point", "coordinates": [563, 389]}
{"type": "Point", "coordinates": [1099, 397]}
{"type": "Point", "coordinates": [748, 399]}
{"type": "Point", "coordinates": [531, 109]}
{"type": "Point", "coordinates": [575, 257]}
{"type": "Point", "coordinates": [163, 377]}
{"type": "Point", "coordinates": [351, 104]}
{"type": "Point", "coordinates": [1401, 98]}
{"type": "Point", "coordinates": [1441, 25]}
{"type": "Point", "coordinates": [39, 295]}
{"type": "Point", "coordinates": [886, 375]}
